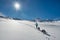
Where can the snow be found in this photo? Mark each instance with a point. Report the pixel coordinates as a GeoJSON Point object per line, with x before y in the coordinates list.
{"type": "Point", "coordinates": [25, 30]}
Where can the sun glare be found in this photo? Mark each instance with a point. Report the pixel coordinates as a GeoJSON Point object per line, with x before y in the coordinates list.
{"type": "Point", "coordinates": [17, 6]}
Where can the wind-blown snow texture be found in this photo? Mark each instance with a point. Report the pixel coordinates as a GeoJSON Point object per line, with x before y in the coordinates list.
{"type": "Point", "coordinates": [25, 30]}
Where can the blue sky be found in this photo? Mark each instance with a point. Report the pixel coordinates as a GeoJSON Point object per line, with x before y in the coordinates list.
{"type": "Point", "coordinates": [31, 9]}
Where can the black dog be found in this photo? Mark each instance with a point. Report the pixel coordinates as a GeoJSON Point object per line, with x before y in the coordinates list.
{"type": "Point", "coordinates": [45, 32]}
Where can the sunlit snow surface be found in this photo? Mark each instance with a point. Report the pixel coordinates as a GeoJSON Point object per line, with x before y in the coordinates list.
{"type": "Point", "coordinates": [25, 30]}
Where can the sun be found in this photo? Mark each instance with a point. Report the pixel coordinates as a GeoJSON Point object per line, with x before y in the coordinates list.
{"type": "Point", "coordinates": [17, 5]}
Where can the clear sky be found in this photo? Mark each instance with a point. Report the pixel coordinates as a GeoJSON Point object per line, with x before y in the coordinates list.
{"type": "Point", "coordinates": [31, 9]}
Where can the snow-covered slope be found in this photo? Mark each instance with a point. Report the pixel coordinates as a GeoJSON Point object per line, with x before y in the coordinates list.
{"type": "Point", "coordinates": [25, 30]}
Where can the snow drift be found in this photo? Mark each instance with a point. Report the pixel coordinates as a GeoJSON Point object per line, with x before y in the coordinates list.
{"type": "Point", "coordinates": [25, 30]}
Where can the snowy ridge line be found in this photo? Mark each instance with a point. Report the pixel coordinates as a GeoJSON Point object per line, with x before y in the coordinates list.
{"type": "Point", "coordinates": [57, 23]}
{"type": "Point", "coordinates": [5, 20]}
